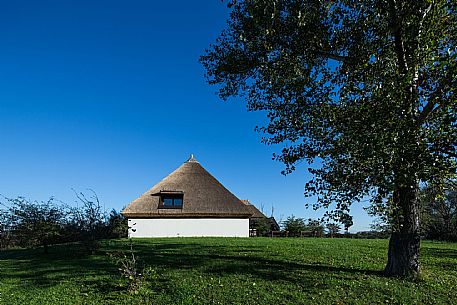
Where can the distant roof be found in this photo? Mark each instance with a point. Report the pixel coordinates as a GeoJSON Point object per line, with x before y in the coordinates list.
{"type": "Point", "coordinates": [203, 196]}
{"type": "Point", "coordinates": [253, 209]}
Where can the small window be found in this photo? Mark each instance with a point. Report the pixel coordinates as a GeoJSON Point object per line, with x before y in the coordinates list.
{"type": "Point", "coordinates": [177, 201]}
{"type": "Point", "coordinates": [168, 201]}
{"type": "Point", "coordinates": [172, 201]}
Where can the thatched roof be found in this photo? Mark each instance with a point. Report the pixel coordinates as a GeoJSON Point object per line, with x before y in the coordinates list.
{"type": "Point", "coordinates": [257, 215]}
{"type": "Point", "coordinates": [254, 210]}
{"type": "Point", "coordinates": [203, 196]}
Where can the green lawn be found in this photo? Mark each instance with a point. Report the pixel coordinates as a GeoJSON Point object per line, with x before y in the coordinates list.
{"type": "Point", "coordinates": [229, 271]}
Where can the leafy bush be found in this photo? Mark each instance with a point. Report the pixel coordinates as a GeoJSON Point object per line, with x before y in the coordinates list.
{"type": "Point", "coordinates": [262, 226]}
{"type": "Point", "coordinates": [32, 223]}
{"type": "Point", "coordinates": [117, 224]}
{"type": "Point", "coordinates": [27, 223]}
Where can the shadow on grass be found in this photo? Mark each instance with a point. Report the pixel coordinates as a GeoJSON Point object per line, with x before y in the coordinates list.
{"type": "Point", "coordinates": [63, 264]}
{"type": "Point", "coordinates": [439, 252]}
{"type": "Point", "coordinates": [96, 273]}
{"type": "Point", "coordinates": [445, 259]}
{"type": "Point", "coordinates": [254, 261]}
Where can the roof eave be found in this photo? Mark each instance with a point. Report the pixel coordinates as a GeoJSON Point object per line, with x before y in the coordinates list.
{"type": "Point", "coordinates": [186, 215]}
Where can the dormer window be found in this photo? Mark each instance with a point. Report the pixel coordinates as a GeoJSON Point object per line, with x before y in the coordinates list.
{"type": "Point", "coordinates": [171, 200]}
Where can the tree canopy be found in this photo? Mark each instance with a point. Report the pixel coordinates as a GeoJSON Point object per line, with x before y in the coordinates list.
{"type": "Point", "coordinates": [364, 91]}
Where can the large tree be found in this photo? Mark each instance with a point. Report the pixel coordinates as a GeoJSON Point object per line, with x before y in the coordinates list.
{"type": "Point", "coordinates": [365, 91]}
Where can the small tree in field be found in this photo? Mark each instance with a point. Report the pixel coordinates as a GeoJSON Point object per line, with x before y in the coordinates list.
{"type": "Point", "coordinates": [262, 226]}
{"type": "Point", "coordinates": [365, 91]}
{"type": "Point", "coordinates": [316, 227]}
{"type": "Point", "coordinates": [294, 225]}
{"type": "Point", "coordinates": [333, 229]}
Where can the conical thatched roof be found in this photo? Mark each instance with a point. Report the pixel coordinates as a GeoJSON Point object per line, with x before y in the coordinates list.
{"type": "Point", "coordinates": [203, 196]}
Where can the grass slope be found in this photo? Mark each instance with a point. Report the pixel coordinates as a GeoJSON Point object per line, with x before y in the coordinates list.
{"type": "Point", "coordinates": [229, 271]}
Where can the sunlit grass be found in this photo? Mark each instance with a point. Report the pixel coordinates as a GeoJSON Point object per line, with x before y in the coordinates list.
{"type": "Point", "coordinates": [229, 271]}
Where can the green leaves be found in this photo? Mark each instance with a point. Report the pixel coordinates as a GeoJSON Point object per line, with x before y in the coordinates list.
{"type": "Point", "coordinates": [365, 88]}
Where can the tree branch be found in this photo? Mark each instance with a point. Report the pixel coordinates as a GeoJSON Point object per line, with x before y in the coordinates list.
{"type": "Point", "coordinates": [398, 39]}
{"type": "Point", "coordinates": [428, 109]}
{"type": "Point", "coordinates": [421, 23]}
{"type": "Point", "coordinates": [336, 57]}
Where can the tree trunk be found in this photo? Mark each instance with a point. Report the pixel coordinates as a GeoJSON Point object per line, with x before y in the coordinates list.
{"type": "Point", "coordinates": [404, 243]}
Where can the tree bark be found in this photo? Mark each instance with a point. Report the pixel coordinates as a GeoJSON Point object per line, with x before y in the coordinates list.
{"type": "Point", "coordinates": [404, 243]}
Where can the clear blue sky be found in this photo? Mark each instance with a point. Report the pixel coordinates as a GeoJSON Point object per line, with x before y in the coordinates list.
{"type": "Point", "coordinates": [110, 95]}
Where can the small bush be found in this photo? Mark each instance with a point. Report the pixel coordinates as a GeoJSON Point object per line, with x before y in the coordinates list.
{"type": "Point", "coordinates": [136, 275]}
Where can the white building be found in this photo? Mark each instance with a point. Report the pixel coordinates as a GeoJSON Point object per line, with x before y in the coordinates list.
{"type": "Point", "coordinates": [188, 202]}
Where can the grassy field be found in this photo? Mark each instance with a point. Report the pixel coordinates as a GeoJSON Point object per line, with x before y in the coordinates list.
{"type": "Point", "coordinates": [229, 271]}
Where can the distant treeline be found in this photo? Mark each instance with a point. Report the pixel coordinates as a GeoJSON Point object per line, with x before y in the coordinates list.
{"type": "Point", "coordinates": [26, 223]}
{"type": "Point", "coordinates": [438, 213]}
{"type": "Point", "coordinates": [299, 227]}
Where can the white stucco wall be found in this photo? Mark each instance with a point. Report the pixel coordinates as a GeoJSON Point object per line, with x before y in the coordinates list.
{"type": "Point", "coordinates": [188, 227]}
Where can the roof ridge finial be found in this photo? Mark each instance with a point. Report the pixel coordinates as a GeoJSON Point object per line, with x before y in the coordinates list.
{"type": "Point", "coordinates": [192, 158]}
